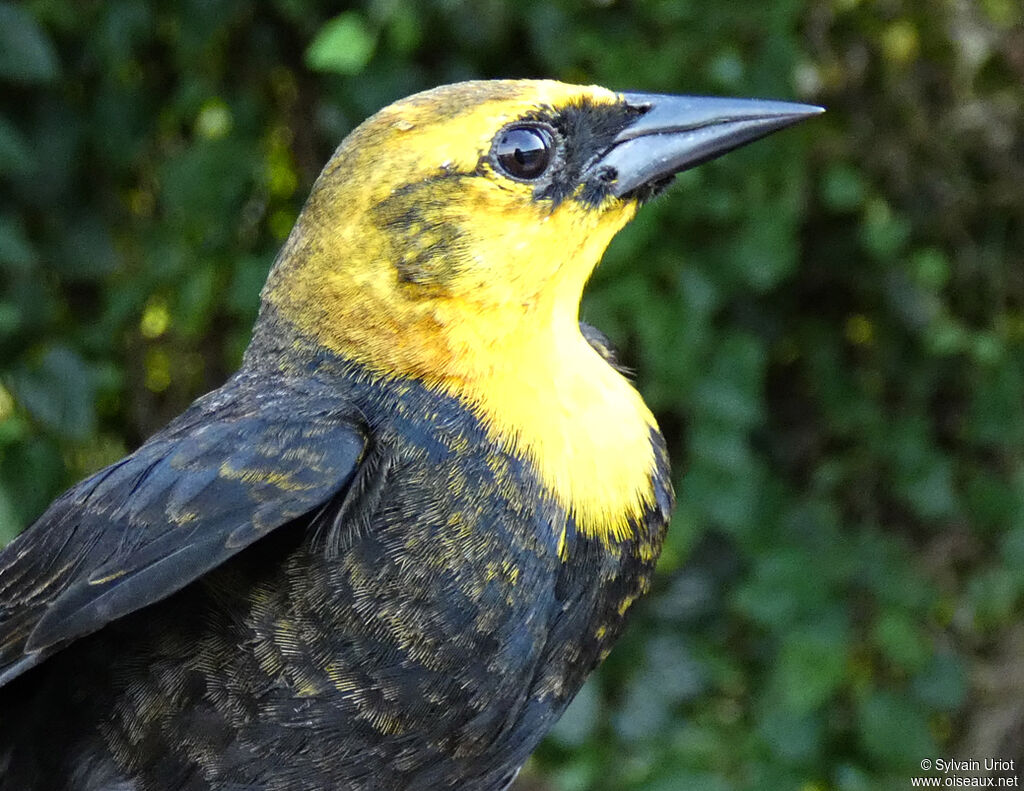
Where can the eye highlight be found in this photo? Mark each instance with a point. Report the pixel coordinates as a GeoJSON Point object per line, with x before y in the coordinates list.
{"type": "Point", "coordinates": [523, 152]}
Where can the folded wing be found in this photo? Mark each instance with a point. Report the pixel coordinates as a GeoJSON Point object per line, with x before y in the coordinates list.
{"type": "Point", "coordinates": [227, 472]}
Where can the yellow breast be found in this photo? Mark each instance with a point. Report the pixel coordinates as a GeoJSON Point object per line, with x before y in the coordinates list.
{"type": "Point", "coordinates": [580, 424]}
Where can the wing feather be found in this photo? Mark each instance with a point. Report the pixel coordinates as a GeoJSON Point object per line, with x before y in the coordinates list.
{"type": "Point", "coordinates": [233, 468]}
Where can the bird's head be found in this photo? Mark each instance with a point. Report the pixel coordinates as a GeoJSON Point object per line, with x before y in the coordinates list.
{"type": "Point", "coordinates": [465, 218]}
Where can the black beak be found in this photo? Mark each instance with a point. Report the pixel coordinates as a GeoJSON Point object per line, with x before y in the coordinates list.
{"type": "Point", "coordinates": [676, 133]}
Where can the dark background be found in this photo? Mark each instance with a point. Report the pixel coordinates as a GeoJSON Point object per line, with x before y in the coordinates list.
{"type": "Point", "coordinates": [829, 325]}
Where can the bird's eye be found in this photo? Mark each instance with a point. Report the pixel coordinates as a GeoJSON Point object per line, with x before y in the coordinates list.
{"type": "Point", "coordinates": [523, 152]}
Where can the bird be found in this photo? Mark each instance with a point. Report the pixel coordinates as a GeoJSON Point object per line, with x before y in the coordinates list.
{"type": "Point", "coordinates": [388, 551]}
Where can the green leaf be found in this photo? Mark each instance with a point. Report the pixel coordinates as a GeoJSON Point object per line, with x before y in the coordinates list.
{"type": "Point", "coordinates": [883, 232]}
{"type": "Point", "coordinates": [894, 730]}
{"type": "Point", "coordinates": [205, 184]}
{"type": "Point", "coordinates": [900, 639]}
{"type": "Point", "coordinates": [16, 251]}
{"type": "Point", "coordinates": [810, 666]}
{"type": "Point", "coordinates": [930, 267]}
{"type": "Point", "coordinates": [931, 492]}
{"type": "Point", "coordinates": [791, 737]}
{"type": "Point", "coordinates": [32, 473]}
{"type": "Point", "coordinates": [343, 46]}
{"type": "Point", "coordinates": [993, 594]}
{"type": "Point", "coordinates": [250, 272]}
{"type": "Point", "coordinates": [942, 685]}
{"type": "Point", "coordinates": [15, 152]}
{"type": "Point", "coordinates": [86, 250]}
{"type": "Point", "coordinates": [194, 307]}
{"type": "Point", "coordinates": [9, 523]}
{"type": "Point", "coordinates": [26, 53]}
{"type": "Point", "coordinates": [842, 188]}
{"type": "Point", "coordinates": [853, 778]}
{"type": "Point", "coordinates": [580, 720]}
{"type": "Point", "coordinates": [58, 391]}
{"type": "Point", "coordinates": [784, 586]}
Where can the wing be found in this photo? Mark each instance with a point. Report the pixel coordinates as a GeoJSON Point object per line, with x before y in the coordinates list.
{"type": "Point", "coordinates": [238, 464]}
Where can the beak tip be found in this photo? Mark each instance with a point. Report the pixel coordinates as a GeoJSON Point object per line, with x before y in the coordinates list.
{"type": "Point", "coordinates": [800, 112]}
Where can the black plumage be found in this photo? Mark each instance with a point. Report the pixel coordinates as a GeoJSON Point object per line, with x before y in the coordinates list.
{"type": "Point", "coordinates": [320, 656]}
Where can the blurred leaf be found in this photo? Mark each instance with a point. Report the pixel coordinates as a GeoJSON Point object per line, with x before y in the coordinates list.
{"type": "Point", "coordinates": [204, 186]}
{"type": "Point", "coordinates": [811, 666]}
{"type": "Point", "coordinates": [942, 685]}
{"type": "Point", "coordinates": [900, 639]}
{"type": "Point", "coordinates": [86, 251]}
{"type": "Point", "coordinates": [793, 737]}
{"type": "Point", "coordinates": [931, 267]}
{"type": "Point", "coordinates": [32, 472]}
{"type": "Point", "coordinates": [843, 188]}
{"type": "Point", "coordinates": [995, 416]}
{"type": "Point", "coordinates": [26, 53]}
{"type": "Point", "coordinates": [194, 308]}
{"type": "Point", "coordinates": [16, 251]}
{"type": "Point", "coordinates": [58, 391]}
{"type": "Point", "coordinates": [15, 152]}
{"type": "Point", "coordinates": [884, 233]}
{"type": "Point", "coordinates": [785, 586]}
{"type": "Point", "coordinates": [581, 719]}
{"type": "Point", "coordinates": [853, 778]}
{"type": "Point", "coordinates": [993, 595]}
{"type": "Point", "coordinates": [894, 731]}
{"type": "Point", "coordinates": [246, 283]}
{"type": "Point", "coordinates": [9, 522]}
{"type": "Point", "coordinates": [344, 45]}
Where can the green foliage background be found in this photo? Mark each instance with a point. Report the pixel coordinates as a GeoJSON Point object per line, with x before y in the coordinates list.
{"type": "Point", "coordinates": [829, 325]}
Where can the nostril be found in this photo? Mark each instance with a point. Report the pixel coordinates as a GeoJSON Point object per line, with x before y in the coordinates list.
{"type": "Point", "coordinates": [608, 174]}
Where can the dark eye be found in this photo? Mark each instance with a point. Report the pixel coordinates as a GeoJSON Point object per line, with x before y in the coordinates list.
{"type": "Point", "coordinates": [523, 152]}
